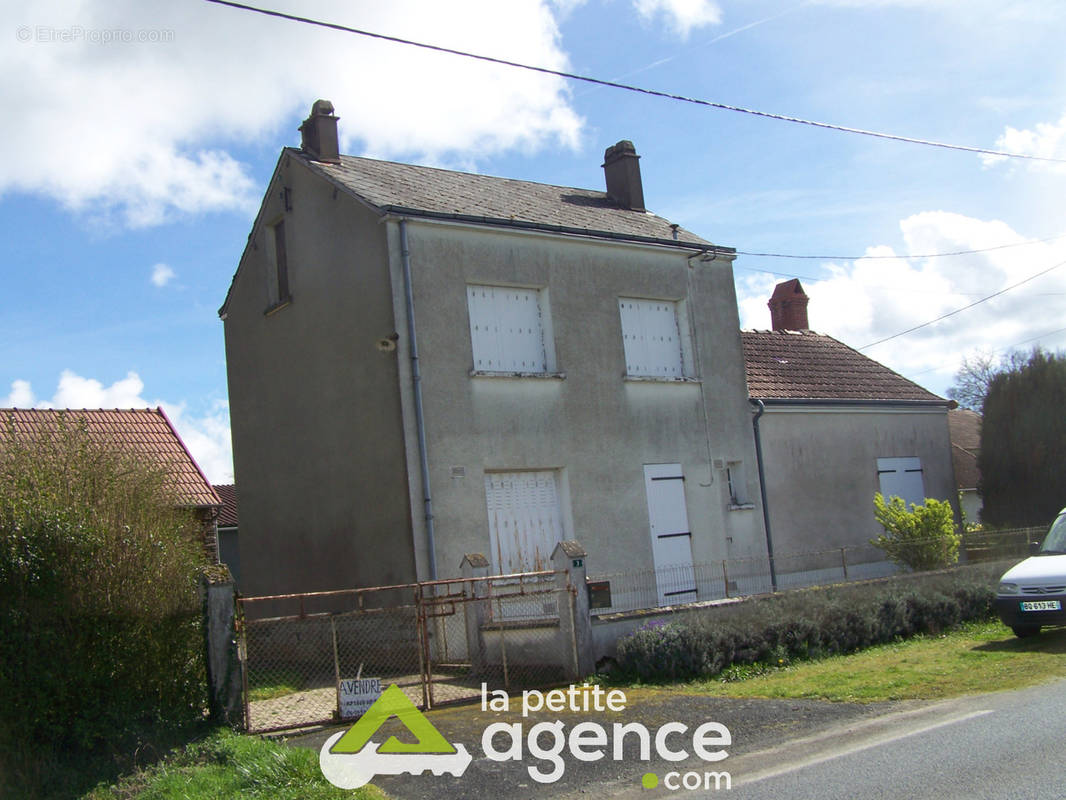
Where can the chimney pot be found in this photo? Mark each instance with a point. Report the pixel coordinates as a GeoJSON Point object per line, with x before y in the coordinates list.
{"type": "Point", "coordinates": [788, 307]}
{"type": "Point", "coordinates": [318, 133]}
{"type": "Point", "coordinates": [621, 168]}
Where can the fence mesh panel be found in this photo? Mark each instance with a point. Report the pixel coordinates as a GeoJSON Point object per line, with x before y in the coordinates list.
{"type": "Point", "coordinates": [439, 641]}
{"type": "Point", "coordinates": [637, 590]}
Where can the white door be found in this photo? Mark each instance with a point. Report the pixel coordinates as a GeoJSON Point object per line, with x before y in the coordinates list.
{"type": "Point", "coordinates": [671, 539]}
{"type": "Point", "coordinates": [902, 477]}
{"type": "Point", "coordinates": [525, 520]}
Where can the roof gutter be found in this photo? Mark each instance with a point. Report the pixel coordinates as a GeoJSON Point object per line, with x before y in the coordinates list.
{"type": "Point", "coordinates": [760, 410]}
{"type": "Point", "coordinates": [416, 381]}
{"type": "Point", "coordinates": [714, 250]}
{"type": "Point", "coordinates": [840, 401]}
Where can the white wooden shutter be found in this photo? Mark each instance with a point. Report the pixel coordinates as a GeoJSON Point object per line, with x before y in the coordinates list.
{"type": "Point", "coordinates": [525, 519]}
{"type": "Point", "coordinates": [671, 539]}
{"type": "Point", "coordinates": [506, 332]}
{"type": "Point", "coordinates": [651, 338]}
{"type": "Point", "coordinates": [902, 477]}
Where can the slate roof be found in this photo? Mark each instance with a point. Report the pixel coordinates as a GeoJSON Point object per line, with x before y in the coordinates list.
{"type": "Point", "coordinates": [964, 427]}
{"type": "Point", "coordinates": [428, 191]}
{"type": "Point", "coordinates": [227, 515]}
{"type": "Point", "coordinates": [144, 430]}
{"type": "Point", "coordinates": [804, 365]}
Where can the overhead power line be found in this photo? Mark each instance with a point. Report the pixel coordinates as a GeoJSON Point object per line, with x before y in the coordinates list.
{"type": "Point", "coordinates": [909, 255]}
{"type": "Point", "coordinates": [615, 85]}
{"type": "Point", "coordinates": [964, 308]}
{"type": "Point", "coordinates": [1002, 350]}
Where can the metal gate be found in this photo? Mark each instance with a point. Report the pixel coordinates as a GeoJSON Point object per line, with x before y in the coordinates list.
{"type": "Point", "coordinates": [437, 640]}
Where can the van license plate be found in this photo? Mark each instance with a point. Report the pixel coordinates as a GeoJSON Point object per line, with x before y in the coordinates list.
{"type": "Point", "coordinates": [1041, 605]}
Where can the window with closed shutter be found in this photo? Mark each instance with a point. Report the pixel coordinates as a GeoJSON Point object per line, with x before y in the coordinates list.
{"type": "Point", "coordinates": [525, 519]}
{"type": "Point", "coordinates": [506, 329]}
{"type": "Point", "coordinates": [651, 338]}
{"type": "Point", "coordinates": [902, 477]}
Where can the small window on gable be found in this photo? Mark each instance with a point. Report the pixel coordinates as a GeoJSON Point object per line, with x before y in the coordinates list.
{"type": "Point", "coordinates": [737, 477]}
{"type": "Point", "coordinates": [279, 289]}
{"type": "Point", "coordinates": [508, 330]}
{"type": "Point", "coordinates": [651, 336]}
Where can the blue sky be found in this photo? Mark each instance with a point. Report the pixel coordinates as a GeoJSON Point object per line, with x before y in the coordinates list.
{"type": "Point", "coordinates": [138, 138]}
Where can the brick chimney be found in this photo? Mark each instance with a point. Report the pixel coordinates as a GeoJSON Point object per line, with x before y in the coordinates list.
{"type": "Point", "coordinates": [788, 307]}
{"type": "Point", "coordinates": [621, 167]}
{"type": "Point", "coordinates": [318, 133]}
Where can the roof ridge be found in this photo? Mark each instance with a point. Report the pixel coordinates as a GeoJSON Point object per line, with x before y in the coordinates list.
{"type": "Point", "coordinates": [303, 155]}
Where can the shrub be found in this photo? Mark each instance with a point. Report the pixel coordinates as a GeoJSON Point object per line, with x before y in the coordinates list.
{"type": "Point", "coordinates": [922, 538]}
{"type": "Point", "coordinates": [807, 623]}
{"type": "Point", "coordinates": [100, 634]}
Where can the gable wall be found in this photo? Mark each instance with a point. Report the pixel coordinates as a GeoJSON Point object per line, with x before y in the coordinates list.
{"type": "Point", "coordinates": [314, 402]}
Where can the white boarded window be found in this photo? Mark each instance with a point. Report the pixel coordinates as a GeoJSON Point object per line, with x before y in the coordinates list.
{"type": "Point", "coordinates": [507, 329]}
{"type": "Point", "coordinates": [525, 519]}
{"type": "Point", "coordinates": [651, 337]}
{"type": "Point", "coordinates": [902, 477]}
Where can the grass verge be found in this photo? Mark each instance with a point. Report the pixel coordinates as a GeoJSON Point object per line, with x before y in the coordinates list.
{"type": "Point", "coordinates": [225, 765]}
{"type": "Point", "coordinates": [977, 657]}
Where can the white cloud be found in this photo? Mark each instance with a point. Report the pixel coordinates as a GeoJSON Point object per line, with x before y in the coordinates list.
{"type": "Point", "coordinates": [207, 437]}
{"type": "Point", "coordinates": [162, 275]}
{"type": "Point", "coordinates": [140, 131]}
{"type": "Point", "coordinates": [1045, 139]}
{"type": "Point", "coordinates": [21, 395]}
{"type": "Point", "coordinates": [681, 15]}
{"type": "Point", "coordinates": [863, 301]}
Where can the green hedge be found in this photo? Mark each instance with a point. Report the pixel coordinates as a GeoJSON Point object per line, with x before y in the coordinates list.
{"type": "Point", "coordinates": [806, 624]}
{"type": "Point", "coordinates": [101, 641]}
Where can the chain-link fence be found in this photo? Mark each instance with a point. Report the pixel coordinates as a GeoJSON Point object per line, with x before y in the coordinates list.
{"type": "Point", "coordinates": [636, 590]}
{"type": "Point", "coordinates": [303, 655]}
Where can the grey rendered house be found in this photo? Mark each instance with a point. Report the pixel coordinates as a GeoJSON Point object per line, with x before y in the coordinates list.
{"type": "Point", "coordinates": [838, 427]}
{"type": "Point", "coordinates": [425, 363]}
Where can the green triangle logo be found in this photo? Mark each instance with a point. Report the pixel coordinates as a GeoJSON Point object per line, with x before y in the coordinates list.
{"type": "Point", "coordinates": [393, 703]}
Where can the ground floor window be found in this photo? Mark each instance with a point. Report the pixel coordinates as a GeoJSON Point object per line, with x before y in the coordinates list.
{"type": "Point", "coordinates": [525, 519]}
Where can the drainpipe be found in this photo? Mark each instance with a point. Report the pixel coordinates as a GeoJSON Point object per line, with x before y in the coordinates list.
{"type": "Point", "coordinates": [416, 380]}
{"type": "Point", "coordinates": [762, 490]}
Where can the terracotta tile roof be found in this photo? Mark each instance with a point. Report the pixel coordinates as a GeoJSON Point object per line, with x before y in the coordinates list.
{"type": "Point", "coordinates": [964, 427]}
{"type": "Point", "coordinates": [145, 430]}
{"type": "Point", "coordinates": [227, 493]}
{"type": "Point", "coordinates": [391, 186]}
{"type": "Point", "coordinates": [803, 365]}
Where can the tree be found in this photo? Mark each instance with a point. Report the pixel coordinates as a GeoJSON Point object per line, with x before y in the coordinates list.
{"type": "Point", "coordinates": [975, 376]}
{"type": "Point", "coordinates": [1023, 443]}
{"type": "Point", "coordinates": [100, 634]}
{"type": "Point", "coordinates": [921, 538]}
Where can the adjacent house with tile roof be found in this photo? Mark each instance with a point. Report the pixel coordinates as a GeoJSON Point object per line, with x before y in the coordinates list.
{"type": "Point", "coordinates": [837, 427]}
{"type": "Point", "coordinates": [146, 432]}
{"type": "Point", "coordinates": [226, 528]}
{"type": "Point", "coordinates": [425, 363]}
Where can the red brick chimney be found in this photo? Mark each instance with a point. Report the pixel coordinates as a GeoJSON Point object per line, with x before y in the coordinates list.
{"type": "Point", "coordinates": [788, 307]}
{"type": "Point", "coordinates": [621, 167]}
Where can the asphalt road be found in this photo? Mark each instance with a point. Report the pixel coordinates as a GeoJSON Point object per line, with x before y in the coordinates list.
{"type": "Point", "coordinates": [1004, 745]}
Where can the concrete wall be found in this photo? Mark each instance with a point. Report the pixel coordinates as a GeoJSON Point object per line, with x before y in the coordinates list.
{"type": "Point", "coordinates": [314, 403]}
{"type": "Point", "coordinates": [821, 469]}
{"type": "Point", "coordinates": [596, 427]}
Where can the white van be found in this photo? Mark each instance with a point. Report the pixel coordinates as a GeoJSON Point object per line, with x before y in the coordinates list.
{"type": "Point", "coordinates": [1032, 593]}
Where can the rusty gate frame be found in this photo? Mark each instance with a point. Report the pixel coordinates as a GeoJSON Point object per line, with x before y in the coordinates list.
{"type": "Point", "coordinates": [431, 600]}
